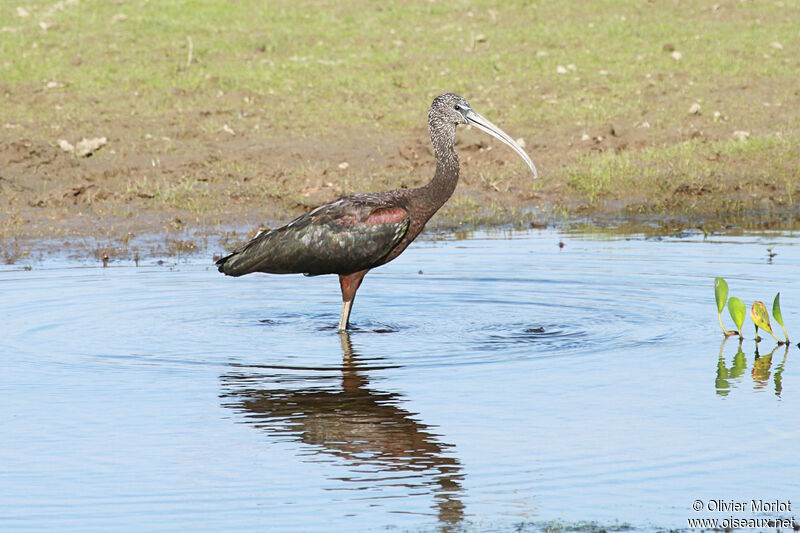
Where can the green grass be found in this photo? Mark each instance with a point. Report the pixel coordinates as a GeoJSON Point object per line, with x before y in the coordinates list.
{"type": "Point", "coordinates": [312, 65]}
{"type": "Point", "coordinates": [323, 71]}
{"type": "Point", "coordinates": [656, 178]}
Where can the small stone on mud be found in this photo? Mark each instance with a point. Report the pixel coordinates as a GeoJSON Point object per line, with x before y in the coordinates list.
{"type": "Point", "coordinates": [776, 45]}
{"type": "Point", "coordinates": [228, 129]}
{"type": "Point", "coordinates": [676, 55]}
{"type": "Point", "coordinates": [22, 12]}
{"type": "Point", "coordinates": [585, 137]}
{"type": "Point", "coordinates": [344, 165]}
{"type": "Point", "coordinates": [741, 135]}
{"type": "Point", "coordinates": [119, 17]}
{"type": "Point", "coordinates": [521, 142]}
{"type": "Point", "coordinates": [694, 109]}
{"type": "Point", "coordinates": [65, 145]}
{"type": "Point", "coordinates": [87, 147]}
{"type": "Point", "coordinates": [561, 69]}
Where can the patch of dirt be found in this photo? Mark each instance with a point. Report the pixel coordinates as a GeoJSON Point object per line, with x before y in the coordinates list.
{"type": "Point", "coordinates": [214, 174]}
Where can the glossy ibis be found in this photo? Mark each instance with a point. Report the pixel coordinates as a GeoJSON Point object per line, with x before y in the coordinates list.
{"type": "Point", "coordinates": [356, 233]}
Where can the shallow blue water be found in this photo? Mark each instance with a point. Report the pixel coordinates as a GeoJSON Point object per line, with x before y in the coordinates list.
{"type": "Point", "coordinates": [511, 383]}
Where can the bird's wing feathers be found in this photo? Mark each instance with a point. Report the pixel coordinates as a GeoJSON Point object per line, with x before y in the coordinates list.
{"type": "Point", "coordinates": [341, 237]}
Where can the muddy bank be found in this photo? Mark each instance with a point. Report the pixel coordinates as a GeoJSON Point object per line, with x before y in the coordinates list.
{"type": "Point", "coordinates": [170, 191]}
{"type": "Point", "coordinates": [143, 124]}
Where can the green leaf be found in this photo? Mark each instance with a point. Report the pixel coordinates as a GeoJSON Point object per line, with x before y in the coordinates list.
{"type": "Point", "coordinates": [776, 309]}
{"type": "Point", "coordinates": [738, 311]}
{"type": "Point", "coordinates": [721, 293]}
{"type": "Point", "coordinates": [776, 312]}
{"type": "Point", "coordinates": [760, 316]}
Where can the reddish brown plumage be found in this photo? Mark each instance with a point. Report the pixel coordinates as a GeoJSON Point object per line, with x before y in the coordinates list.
{"type": "Point", "coordinates": [350, 283]}
{"type": "Point", "coordinates": [387, 215]}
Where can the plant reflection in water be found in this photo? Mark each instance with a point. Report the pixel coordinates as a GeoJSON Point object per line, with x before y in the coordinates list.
{"type": "Point", "coordinates": [728, 377]}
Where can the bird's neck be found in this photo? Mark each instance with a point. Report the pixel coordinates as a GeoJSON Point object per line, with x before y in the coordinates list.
{"type": "Point", "coordinates": [444, 181]}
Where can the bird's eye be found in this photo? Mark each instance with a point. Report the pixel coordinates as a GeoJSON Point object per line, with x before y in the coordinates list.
{"type": "Point", "coordinates": [459, 107]}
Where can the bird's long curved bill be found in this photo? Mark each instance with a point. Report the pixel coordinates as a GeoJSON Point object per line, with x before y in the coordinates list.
{"type": "Point", "coordinates": [482, 124]}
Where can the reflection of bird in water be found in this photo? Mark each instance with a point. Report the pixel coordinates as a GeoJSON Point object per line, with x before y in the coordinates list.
{"type": "Point", "coordinates": [364, 428]}
{"type": "Point", "coordinates": [771, 255]}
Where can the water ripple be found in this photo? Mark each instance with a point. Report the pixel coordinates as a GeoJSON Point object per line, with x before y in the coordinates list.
{"type": "Point", "coordinates": [477, 395]}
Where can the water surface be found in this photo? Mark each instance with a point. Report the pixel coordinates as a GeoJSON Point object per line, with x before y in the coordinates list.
{"type": "Point", "coordinates": [492, 383]}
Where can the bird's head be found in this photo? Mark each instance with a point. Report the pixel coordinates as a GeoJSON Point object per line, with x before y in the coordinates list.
{"type": "Point", "coordinates": [449, 110]}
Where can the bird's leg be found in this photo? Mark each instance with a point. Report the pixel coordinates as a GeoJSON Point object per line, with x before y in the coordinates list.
{"type": "Point", "coordinates": [349, 284]}
{"type": "Point", "coordinates": [344, 317]}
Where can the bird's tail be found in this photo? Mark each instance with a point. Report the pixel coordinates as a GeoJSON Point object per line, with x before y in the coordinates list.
{"type": "Point", "coordinates": [225, 265]}
{"type": "Point", "coordinates": [239, 263]}
{"type": "Point", "coordinates": [248, 258]}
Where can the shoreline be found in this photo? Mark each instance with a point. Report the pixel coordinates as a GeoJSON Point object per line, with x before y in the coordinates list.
{"type": "Point", "coordinates": [181, 241]}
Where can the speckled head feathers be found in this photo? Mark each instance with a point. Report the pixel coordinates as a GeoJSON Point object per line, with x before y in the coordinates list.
{"type": "Point", "coordinates": [449, 107]}
{"type": "Point", "coordinates": [449, 110]}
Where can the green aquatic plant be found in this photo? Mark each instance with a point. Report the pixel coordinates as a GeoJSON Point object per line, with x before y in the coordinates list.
{"type": "Point", "coordinates": [721, 294]}
{"type": "Point", "coordinates": [776, 312]}
{"type": "Point", "coordinates": [738, 311]}
{"type": "Point", "coordinates": [760, 317]}
{"type": "Point", "coordinates": [758, 313]}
